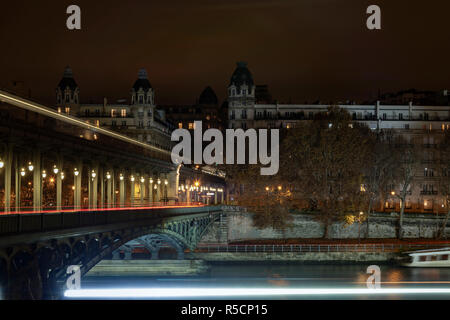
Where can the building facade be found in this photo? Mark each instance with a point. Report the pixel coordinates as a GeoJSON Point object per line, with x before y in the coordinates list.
{"type": "Point", "coordinates": [206, 109]}
{"type": "Point", "coordinates": [139, 119]}
{"type": "Point", "coordinates": [420, 125]}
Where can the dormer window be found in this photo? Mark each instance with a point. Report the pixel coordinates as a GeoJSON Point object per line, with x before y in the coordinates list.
{"type": "Point", "coordinates": [141, 99]}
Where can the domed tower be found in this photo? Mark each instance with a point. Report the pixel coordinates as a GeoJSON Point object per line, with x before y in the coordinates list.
{"type": "Point", "coordinates": [142, 91]}
{"type": "Point", "coordinates": [68, 94]}
{"type": "Point", "coordinates": [208, 97]}
{"type": "Point", "coordinates": [142, 100]}
{"type": "Point", "coordinates": [241, 97]}
{"type": "Point", "coordinates": [209, 106]}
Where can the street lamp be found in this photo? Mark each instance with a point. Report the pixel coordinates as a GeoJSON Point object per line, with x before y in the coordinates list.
{"type": "Point", "coordinates": [151, 180]}
{"type": "Point", "coordinates": [166, 182]}
{"type": "Point", "coordinates": [279, 188]}
{"type": "Point", "coordinates": [142, 180]}
{"type": "Point", "coordinates": [30, 166]}
{"type": "Point", "coordinates": [121, 177]}
{"type": "Point", "coordinates": [108, 175]}
{"type": "Point", "coordinates": [22, 172]}
{"type": "Point", "coordinates": [159, 181]}
{"type": "Point", "coordinates": [93, 174]}
{"type": "Point", "coordinates": [76, 172]}
{"type": "Point", "coordinates": [132, 179]}
{"type": "Point", "coordinates": [359, 225]}
{"type": "Point", "coordinates": [44, 174]}
{"type": "Point", "coordinates": [62, 175]}
{"type": "Point", "coordinates": [55, 169]}
{"type": "Point", "coordinates": [2, 164]}
{"type": "Point", "coordinates": [393, 193]}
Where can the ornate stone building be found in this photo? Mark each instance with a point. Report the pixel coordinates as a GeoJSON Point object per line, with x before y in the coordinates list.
{"type": "Point", "coordinates": [206, 109]}
{"type": "Point", "coordinates": [139, 119]}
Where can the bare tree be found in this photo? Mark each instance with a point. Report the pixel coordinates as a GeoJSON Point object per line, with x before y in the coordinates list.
{"type": "Point", "coordinates": [408, 158]}
{"type": "Point", "coordinates": [378, 173]}
{"type": "Point", "coordinates": [325, 162]}
{"type": "Point", "coordinates": [444, 165]}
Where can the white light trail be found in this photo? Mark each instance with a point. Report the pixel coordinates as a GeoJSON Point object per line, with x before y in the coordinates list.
{"type": "Point", "coordinates": [240, 292]}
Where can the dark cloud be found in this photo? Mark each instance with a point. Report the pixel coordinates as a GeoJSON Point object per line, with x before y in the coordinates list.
{"type": "Point", "coordinates": [303, 49]}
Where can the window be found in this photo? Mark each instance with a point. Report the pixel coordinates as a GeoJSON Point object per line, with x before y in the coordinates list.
{"type": "Point", "coordinates": [113, 113]}
{"type": "Point", "coordinates": [400, 116]}
{"type": "Point", "coordinates": [384, 116]}
{"type": "Point", "coordinates": [124, 123]}
{"type": "Point", "coordinates": [59, 110]}
{"type": "Point", "coordinates": [141, 99]}
{"type": "Point", "coordinates": [97, 123]}
{"type": "Point", "coordinates": [244, 92]}
{"type": "Point", "coordinates": [113, 123]}
{"type": "Point", "coordinates": [67, 110]}
{"type": "Point", "coordinates": [123, 113]}
{"type": "Point", "coordinates": [180, 125]}
{"type": "Point", "coordinates": [191, 125]}
{"type": "Point", "coordinates": [244, 114]}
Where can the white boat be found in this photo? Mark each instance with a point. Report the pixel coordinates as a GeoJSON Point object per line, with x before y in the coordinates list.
{"type": "Point", "coordinates": [428, 258]}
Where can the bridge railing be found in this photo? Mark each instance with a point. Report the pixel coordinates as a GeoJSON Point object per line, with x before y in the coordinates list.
{"type": "Point", "coordinates": [304, 248]}
{"type": "Point", "coordinates": [47, 221]}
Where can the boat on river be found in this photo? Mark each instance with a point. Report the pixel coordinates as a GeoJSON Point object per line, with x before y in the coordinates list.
{"type": "Point", "coordinates": [432, 258]}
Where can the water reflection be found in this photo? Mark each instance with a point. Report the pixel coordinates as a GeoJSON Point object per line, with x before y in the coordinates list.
{"type": "Point", "coordinates": [294, 276]}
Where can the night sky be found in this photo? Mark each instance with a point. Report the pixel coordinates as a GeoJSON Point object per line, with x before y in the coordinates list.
{"type": "Point", "coordinates": [304, 50]}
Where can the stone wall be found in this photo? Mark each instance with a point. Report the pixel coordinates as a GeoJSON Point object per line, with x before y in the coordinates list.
{"type": "Point", "coordinates": [239, 226]}
{"type": "Point", "coordinates": [301, 257]}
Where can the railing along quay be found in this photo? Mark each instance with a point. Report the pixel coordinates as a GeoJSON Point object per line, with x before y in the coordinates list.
{"type": "Point", "coordinates": [303, 248]}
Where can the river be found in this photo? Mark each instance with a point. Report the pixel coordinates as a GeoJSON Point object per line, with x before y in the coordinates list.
{"type": "Point", "coordinates": [247, 276]}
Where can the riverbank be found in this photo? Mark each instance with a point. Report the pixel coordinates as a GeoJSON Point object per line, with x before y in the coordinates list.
{"type": "Point", "coordinates": [135, 268]}
{"type": "Point", "coordinates": [295, 257]}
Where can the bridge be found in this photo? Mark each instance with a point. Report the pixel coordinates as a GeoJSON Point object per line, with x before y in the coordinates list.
{"type": "Point", "coordinates": [73, 193]}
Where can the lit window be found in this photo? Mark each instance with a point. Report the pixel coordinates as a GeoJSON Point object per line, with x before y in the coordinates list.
{"type": "Point", "coordinates": [59, 110]}
{"type": "Point", "coordinates": [191, 125]}
{"type": "Point", "coordinates": [113, 113]}
{"type": "Point", "coordinates": [180, 125]}
{"type": "Point", "coordinates": [67, 110]}
{"type": "Point", "coordinates": [97, 123]}
{"type": "Point", "coordinates": [123, 113]}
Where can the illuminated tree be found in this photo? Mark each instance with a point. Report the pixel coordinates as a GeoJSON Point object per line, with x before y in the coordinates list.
{"type": "Point", "coordinates": [323, 160]}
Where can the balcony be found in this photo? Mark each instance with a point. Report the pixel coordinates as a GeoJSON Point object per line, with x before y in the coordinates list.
{"type": "Point", "coordinates": [428, 193]}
